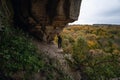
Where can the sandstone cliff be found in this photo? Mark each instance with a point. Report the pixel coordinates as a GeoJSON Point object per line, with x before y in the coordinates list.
{"type": "Point", "coordinates": [42, 18]}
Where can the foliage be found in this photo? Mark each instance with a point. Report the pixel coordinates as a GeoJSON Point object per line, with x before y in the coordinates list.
{"type": "Point", "coordinates": [17, 53]}
{"type": "Point", "coordinates": [95, 52]}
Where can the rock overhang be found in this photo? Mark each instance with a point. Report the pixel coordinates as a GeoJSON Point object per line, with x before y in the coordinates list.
{"type": "Point", "coordinates": [44, 18]}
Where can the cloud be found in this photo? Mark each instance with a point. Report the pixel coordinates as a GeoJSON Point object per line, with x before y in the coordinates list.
{"type": "Point", "coordinates": [99, 11]}
{"type": "Point", "coordinates": [112, 12]}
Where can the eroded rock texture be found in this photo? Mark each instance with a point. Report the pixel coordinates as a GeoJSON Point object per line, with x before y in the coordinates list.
{"type": "Point", "coordinates": [44, 18]}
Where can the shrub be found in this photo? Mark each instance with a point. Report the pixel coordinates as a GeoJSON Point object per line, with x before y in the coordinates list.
{"type": "Point", "coordinates": [80, 49]}
{"type": "Point", "coordinates": [17, 53]}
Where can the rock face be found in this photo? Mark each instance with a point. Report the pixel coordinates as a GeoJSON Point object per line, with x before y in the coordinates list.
{"type": "Point", "coordinates": [44, 18]}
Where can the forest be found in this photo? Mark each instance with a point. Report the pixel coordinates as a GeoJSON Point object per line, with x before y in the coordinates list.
{"type": "Point", "coordinates": [95, 50]}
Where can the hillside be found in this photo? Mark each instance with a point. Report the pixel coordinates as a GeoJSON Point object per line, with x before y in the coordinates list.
{"type": "Point", "coordinates": [95, 50]}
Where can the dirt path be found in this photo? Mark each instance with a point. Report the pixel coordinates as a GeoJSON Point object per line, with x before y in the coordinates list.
{"type": "Point", "coordinates": [50, 49]}
{"type": "Point", "coordinates": [54, 52]}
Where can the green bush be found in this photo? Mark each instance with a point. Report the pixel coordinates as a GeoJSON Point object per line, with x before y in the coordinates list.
{"type": "Point", "coordinates": [17, 53]}
{"type": "Point", "coordinates": [80, 49]}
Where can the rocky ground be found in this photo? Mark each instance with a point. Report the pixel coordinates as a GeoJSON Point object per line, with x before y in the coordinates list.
{"type": "Point", "coordinates": [54, 52]}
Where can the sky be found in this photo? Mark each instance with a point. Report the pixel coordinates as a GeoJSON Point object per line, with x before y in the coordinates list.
{"type": "Point", "coordinates": [99, 12]}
